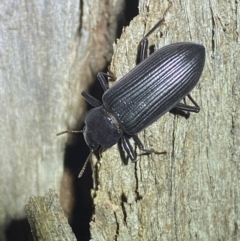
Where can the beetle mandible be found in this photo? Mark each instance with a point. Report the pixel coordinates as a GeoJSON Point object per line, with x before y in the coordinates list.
{"type": "Point", "coordinates": [152, 88]}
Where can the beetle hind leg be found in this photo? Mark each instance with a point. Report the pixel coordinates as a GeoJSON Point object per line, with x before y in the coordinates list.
{"type": "Point", "coordinates": [188, 108]}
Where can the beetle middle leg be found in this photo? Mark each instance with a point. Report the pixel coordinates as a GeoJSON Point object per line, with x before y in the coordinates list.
{"type": "Point", "coordinates": [129, 150]}
{"type": "Point", "coordinates": [141, 147]}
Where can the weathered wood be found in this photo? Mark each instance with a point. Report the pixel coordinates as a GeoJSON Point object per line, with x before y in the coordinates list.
{"type": "Point", "coordinates": [49, 52]}
{"type": "Point", "coordinates": [47, 219]}
{"type": "Point", "coordinates": [192, 193]}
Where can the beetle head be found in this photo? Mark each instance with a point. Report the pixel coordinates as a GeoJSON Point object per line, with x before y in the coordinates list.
{"type": "Point", "coordinates": [100, 129]}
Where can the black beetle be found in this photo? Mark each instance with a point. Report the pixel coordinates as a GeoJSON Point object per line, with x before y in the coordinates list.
{"type": "Point", "coordinates": [139, 98]}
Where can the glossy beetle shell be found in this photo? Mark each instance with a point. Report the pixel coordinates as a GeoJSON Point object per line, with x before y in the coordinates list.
{"type": "Point", "coordinates": [155, 86]}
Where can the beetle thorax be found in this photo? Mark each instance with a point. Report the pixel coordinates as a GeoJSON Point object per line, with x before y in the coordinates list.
{"type": "Point", "coordinates": [100, 129]}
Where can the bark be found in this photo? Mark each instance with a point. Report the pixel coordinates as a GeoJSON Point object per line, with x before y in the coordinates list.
{"type": "Point", "coordinates": [50, 52]}
{"type": "Point", "coordinates": [47, 219]}
{"type": "Point", "coordinates": [192, 193]}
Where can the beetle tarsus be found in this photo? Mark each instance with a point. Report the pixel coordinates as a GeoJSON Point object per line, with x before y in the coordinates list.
{"type": "Point", "coordinates": [146, 151]}
{"type": "Point", "coordinates": [159, 22]}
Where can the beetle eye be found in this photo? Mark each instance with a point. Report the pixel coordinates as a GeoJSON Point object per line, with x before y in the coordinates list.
{"type": "Point", "coordinates": [91, 144]}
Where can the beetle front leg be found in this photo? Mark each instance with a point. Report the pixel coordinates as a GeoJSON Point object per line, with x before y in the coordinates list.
{"type": "Point", "coordinates": [128, 148]}
{"type": "Point", "coordinates": [141, 147]}
{"type": "Point", "coordinates": [91, 100]}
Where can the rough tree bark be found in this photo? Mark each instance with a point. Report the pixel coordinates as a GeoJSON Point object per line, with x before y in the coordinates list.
{"type": "Point", "coordinates": [50, 52]}
{"type": "Point", "coordinates": [47, 219]}
{"type": "Point", "coordinates": [192, 193]}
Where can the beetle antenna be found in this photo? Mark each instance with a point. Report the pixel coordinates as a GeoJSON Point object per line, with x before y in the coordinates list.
{"type": "Point", "coordinates": [67, 131]}
{"type": "Point", "coordinates": [85, 164]}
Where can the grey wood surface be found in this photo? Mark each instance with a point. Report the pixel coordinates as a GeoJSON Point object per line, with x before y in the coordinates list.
{"type": "Point", "coordinates": [47, 219]}
{"type": "Point", "coordinates": [49, 52]}
{"type": "Point", "coordinates": [192, 193]}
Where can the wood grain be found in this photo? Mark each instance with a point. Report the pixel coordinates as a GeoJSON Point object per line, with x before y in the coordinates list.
{"type": "Point", "coordinates": [192, 193]}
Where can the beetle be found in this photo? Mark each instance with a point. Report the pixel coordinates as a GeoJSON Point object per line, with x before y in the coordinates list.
{"type": "Point", "coordinates": [153, 87]}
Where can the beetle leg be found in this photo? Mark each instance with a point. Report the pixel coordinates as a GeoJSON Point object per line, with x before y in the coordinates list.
{"type": "Point", "coordinates": [143, 49]}
{"type": "Point", "coordinates": [189, 108]}
{"type": "Point", "coordinates": [159, 22]}
{"type": "Point", "coordinates": [128, 148]}
{"type": "Point", "coordinates": [102, 79]}
{"type": "Point", "coordinates": [141, 147]}
{"type": "Point", "coordinates": [101, 150]}
{"type": "Point", "coordinates": [111, 75]}
{"type": "Point", "coordinates": [138, 142]}
{"type": "Point", "coordinates": [144, 41]}
{"type": "Point", "coordinates": [193, 101]}
{"type": "Point", "coordinates": [184, 107]}
{"type": "Point", "coordinates": [91, 100]}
